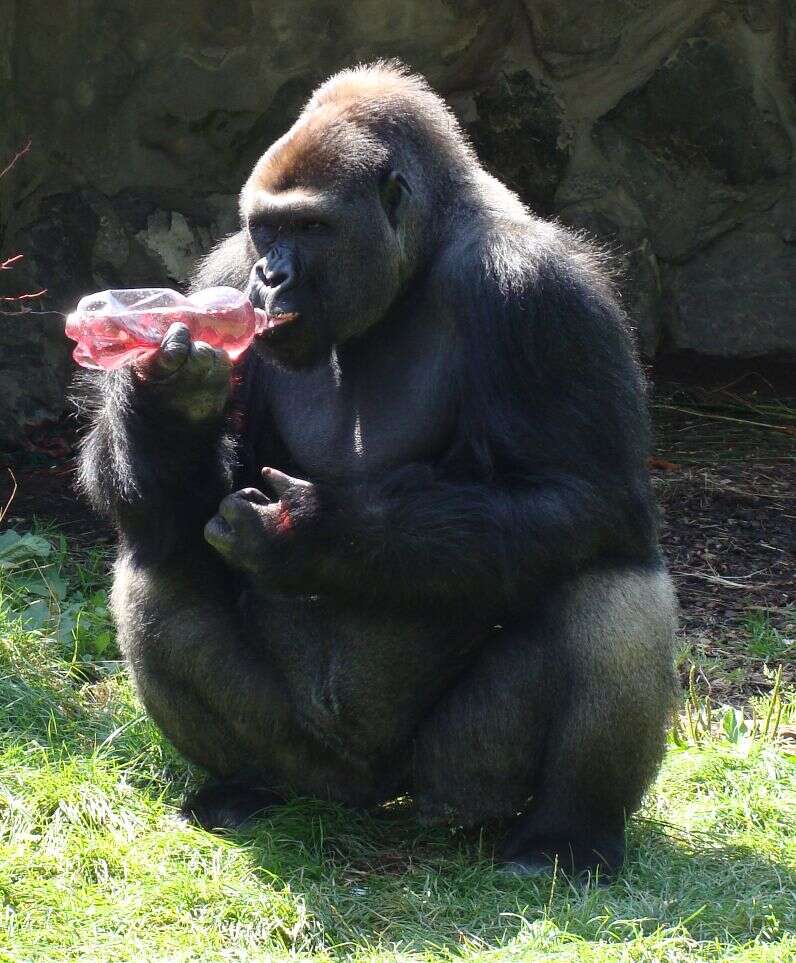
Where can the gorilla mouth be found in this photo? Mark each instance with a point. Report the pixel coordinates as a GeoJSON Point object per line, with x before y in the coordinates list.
{"type": "Point", "coordinates": [268, 322]}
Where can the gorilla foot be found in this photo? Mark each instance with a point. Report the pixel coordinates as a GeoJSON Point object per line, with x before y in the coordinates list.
{"type": "Point", "coordinates": [227, 806]}
{"type": "Point", "coordinates": [602, 858]}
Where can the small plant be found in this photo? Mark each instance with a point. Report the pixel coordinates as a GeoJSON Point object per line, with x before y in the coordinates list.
{"type": "Point", "coordinates": [46, 593]}
{"type": "Point", "coordinates": [765, 641]}
{"type": "Point", "coordinates": [701, 721]}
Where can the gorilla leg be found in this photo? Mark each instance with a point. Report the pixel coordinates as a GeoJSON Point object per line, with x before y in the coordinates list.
{"type": "Point", "coordinates": [562, 720]}
{"type": "Point", "coordinates": [213, 689]}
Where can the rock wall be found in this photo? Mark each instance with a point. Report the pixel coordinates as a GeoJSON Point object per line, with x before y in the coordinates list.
{"type": "Point", "coordinates": [665, 127]}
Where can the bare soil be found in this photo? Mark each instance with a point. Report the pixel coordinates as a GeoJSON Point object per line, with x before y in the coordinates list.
{"type": "Point", "coordinates": [724, 471]}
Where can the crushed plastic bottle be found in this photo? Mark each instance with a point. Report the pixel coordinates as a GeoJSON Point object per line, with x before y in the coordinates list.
{"type": "Point", "coordinates": [115, 328]}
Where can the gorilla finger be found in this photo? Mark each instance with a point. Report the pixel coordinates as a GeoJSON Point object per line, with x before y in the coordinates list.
{"type": "Point", "coordinates": [177, 332]}
{"type": "Point", "coordinates": [279, 482]}
{"type": "Point", "coordinates": [209, 360]}
{"type": "Point", "coordinates": [234, 508]}
{"type": "Point", "coordinates": [254, 495]}
{"type": "Point", "coordinates": [175, 346]}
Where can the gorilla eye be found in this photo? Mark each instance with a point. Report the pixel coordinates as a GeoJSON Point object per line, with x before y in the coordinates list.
{"type": "Point", "coordinates": [262, 234]}
{"type": "Point", "coordinates": [310, 226]}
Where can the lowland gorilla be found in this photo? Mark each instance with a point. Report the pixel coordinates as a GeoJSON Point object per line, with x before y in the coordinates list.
{"type": "Point", "coordinates": [448, 583]}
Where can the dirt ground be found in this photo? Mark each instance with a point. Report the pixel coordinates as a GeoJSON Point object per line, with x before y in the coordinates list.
{"type": "Point", "coordinates": [723, 468]}
{"type": "Point", "coordinates": [724, 471]}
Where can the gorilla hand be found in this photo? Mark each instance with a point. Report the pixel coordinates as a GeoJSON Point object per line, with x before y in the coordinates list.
{"type": "Point", "coordinates": [189, 378]}
{"type": "Point", "coordinates": [254, 532]}
{"type": "Point", "coordinates": [292, 492]}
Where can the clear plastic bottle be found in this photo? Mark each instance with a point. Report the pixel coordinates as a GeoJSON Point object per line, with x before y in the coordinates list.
{"type": "Point", "coordinates": [115, 328]}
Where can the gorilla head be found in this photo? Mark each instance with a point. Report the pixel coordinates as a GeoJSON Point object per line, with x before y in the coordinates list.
{"type": "Point", "coordinates": [349, 184]}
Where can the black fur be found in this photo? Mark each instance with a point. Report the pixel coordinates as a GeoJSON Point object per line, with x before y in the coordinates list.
{"type": "Point", "coordinates": [467, 601]}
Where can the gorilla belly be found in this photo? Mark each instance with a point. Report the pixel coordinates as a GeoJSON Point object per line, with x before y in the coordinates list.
{"type": "Point", "coordinates": [346, 659]}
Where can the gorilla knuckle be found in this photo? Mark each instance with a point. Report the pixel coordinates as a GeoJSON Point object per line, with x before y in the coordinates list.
{"type": "Point", "coordinates": [176, 344]}
{"type": "Point", "coordinates": [233, 507]}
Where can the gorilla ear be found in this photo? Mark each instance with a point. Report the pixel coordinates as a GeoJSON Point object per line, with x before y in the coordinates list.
{"type": "Point", "coordinates": [394, 192]}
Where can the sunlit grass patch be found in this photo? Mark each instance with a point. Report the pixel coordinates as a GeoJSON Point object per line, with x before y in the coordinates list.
{"type": "Point", "coordinates": [96, 865]}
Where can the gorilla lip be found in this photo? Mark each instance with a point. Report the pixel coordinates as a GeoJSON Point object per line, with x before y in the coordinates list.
{"type": "Point", "coordinates": [267, 322]}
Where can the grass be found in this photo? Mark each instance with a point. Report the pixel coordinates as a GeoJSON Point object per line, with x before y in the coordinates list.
{"type": "Point", "coordinates": [95, 864]}
{"type": "Point", "coordinates": [765, 641]}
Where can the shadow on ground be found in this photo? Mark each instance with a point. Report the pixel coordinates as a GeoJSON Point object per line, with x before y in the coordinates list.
{"type": "Point", "coordinates": [382, 881]}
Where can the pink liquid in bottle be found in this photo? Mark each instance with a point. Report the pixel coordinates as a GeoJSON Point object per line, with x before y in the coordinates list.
{"type": "Point", "coordinates": [115, 328]}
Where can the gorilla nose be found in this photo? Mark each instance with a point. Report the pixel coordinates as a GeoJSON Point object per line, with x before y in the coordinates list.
{"type": "Point", "coordinates": [276, 278]}
{"type": "Point", "coordinates": [274, 275]}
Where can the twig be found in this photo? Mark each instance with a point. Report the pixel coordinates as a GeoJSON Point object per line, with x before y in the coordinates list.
{"type": "Point", "coordinates": [26, 297]}
{"type": "Point", "coordinates": [8, 262]}
{"type": "Point", "coordinates": [720, 581]}
{"type": "Point", "coordinates": [19, 154]}
{"type": "Point", "coordinates": [28, 312]}
{"type": "Point", "coordinates": [713, 486]}
{"type": "Point", "coordinates": [738, 421]}
{"type": "Point", "coordinates": [4, 510]}
{"type": "Point", "coordinates": [780, 410]}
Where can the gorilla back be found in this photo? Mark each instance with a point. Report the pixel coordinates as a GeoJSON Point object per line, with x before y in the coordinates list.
{"type": "Point", "coordinates": [447, 581]}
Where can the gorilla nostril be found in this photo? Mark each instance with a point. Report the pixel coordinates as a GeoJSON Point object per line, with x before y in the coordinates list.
{"type": "Point", "coordinates": [274, 272]}
{"type": "Point", "coordinates": [276, 278]}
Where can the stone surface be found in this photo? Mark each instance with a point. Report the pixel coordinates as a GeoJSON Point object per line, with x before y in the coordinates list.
{"type": "Point", "coordinates": [522, 137]}
{"type": "Point", "coordinates": [737, 296]}
{"type": "Point", "coordinates": [169, 237]}
{"type": "Point", "coordinates": [666, 128]}
{"type": "Point", "coordinates": [34, 371]}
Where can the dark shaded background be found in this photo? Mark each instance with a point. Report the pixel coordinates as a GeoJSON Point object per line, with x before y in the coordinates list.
{"type": "Point", "coordinates": [665, 127]}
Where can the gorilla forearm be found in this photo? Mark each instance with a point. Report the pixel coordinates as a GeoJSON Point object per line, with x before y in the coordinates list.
{"type": "Point", "coordinates": [488, 547]}
{"type": "Point", "coordinates": [154, 474]}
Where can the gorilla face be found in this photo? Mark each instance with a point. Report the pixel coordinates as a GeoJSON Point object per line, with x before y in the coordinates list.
{"type": "Point", "coordinates": [329, 264]}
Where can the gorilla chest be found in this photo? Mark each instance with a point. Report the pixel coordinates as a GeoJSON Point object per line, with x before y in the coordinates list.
{"type": "Point", "coordinates": [363, 414]}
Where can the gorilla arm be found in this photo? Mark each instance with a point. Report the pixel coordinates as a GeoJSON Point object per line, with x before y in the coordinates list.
{"type": "Point", "coordinates": [547, 472]}
{"type": "Point", "coordinates": [424, 543]}
{"type": "Point", "coordinates": [159, 455]}
{"type": "Point", "coordinates": [157, 459]}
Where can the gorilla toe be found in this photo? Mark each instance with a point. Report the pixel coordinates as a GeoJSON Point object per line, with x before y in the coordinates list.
{"type": "Point", "coordinates": [227, 806]}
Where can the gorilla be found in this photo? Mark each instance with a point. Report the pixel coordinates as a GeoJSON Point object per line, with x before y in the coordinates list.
{"type": "Point", "coordinates": [407, 545]}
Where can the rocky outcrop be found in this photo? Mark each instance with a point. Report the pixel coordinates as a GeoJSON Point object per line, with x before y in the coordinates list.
{"type": "Point", "coordinates": [664, 127]}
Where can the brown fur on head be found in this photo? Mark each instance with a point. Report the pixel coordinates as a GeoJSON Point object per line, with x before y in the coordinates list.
{"type": "Point", "coordinates": [349, 125]}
